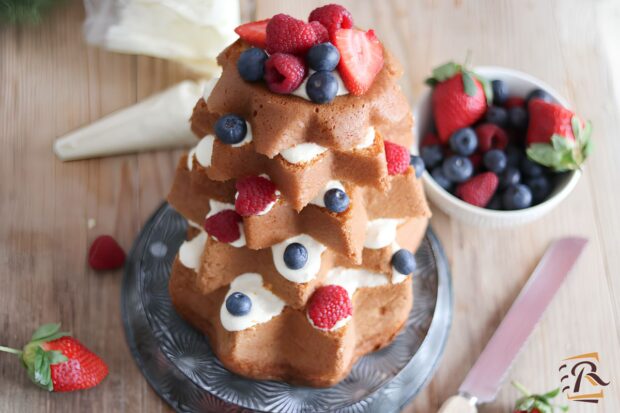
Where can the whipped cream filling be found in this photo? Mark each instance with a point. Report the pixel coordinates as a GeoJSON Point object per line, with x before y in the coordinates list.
{"type": "Point", "coordinates": [215, 207]}
{"type": "Point", "coordinates": [368, 139]}
{"type": "Point", "coordinates": [190, 158]}
{"type": "Point", "coordinates": [265, 304]}
{"type": "Point", "coordinates": [191, 251]}
{"type": "Point", "coordinates": [339, 323]}
{"type": "Point", "coordinates": [248, 136]}
{"type": "Point", "coordinates": [308, 271]}
{"type": "Point", "coordinates": [301, 90]}
{"type": "Point", "coordinates": [319, 198]}
{"type": "Point", "coordinates": [381, 232]}
{"type": "Point", "coordinates": [397, 277]}
{"type": "Point", "coordinates": [204, 151]}
{"type": "Point", "coordinates": [303, 152]}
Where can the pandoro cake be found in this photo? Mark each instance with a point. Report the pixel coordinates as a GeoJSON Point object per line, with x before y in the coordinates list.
{"type": "Point", "coordinates": [303, 210]}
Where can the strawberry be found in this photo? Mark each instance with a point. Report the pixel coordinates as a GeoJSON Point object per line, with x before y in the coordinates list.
{"type": "Point", "coordinates": [332, 17]}
{"type": "Point", "coordinates": [58, 362]}
{"type": "Point", "coordinates": [286, 34]}
{"type": "Point", "coordinates": [328, 305]}
{"type": "Point", "coordinates": [514, 101]}
{"type": "Point", "coordinates": [284, 72]}
{"type": "Point", "coordinates": [105, 254]}
{"type": "Point", "coordinates": [224, 226]}
{"type": "Point", "coordinates": [536, 403]}
{"type": "Point", "coordinates": [254, 33]}
{"type": "Point", "coordinates": [460, 98]}
{"type": "Point", "coordinates": [361, 58]}
{"type": "Point", "coordinates": [254, 196]}
{"type": "Point", "coordinates": [478, 190]}
{"type": "Point", "coordinates": [556, 137]}
{"type": "Point", "coordinates": [397, 158]}
{"type": "Point", "coordinates": [491, 136]}
{"type": "Point", "coordinates": [321, 33]}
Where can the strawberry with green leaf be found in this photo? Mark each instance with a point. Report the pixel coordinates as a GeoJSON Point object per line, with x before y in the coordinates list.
{"type": "Point", "coordinates": [460, 98]}
{"type": "Point", "coordinates": [537, 403]}
{"type": "Point", "coordinates": [556, 137]}
{"type": "Point", "coordinates": [58, 362]}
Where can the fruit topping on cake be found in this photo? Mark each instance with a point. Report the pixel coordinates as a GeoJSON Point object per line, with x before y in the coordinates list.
{"type": "Point", "coordinates": [328, 45]}
{"type": "Point", "coordinates": [224, 226]}
{"type": "Point", "coordinates": [403, 261]}
{"type": "Point", "coordinates": [231, 129]}
{"type": "Point", "coordinates": [459, 99]}
{"type": "Point", "coordinates": [336, 200]}
{"type": "Point", "coordinates": [255, 195]}
{"type": "Point", "coordinates": [329, 305]}
{"type": "Point", "coordinates": [397, 158]}
{"type": "Point", "coordinates": [238, 304]}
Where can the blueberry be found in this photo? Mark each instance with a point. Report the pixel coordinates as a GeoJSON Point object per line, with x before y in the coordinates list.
{"type": "Point", "coordinates": [517, 197]}
{"type": "Point", "coordinates": [403, 261]}
{"type": "Point", "coordinates": [517, 118]}
{"type": "Point", "coordinates": [464, 141]}
{"type": "Point", "coordinates": [231, 128]}
{"type": "Point", "coordinates": [322, 87]}
{"type": "Point", "coordinates": [432, 155]}
{"type": "Point", "coordinates": [295, 256]}
{"type": "Point", "coordinates": [540, 187]}
{"type": "Point", "coordinates": [457, 168]}
{"type": "Point", "coordinates": [336, 200]}
{"type": "Point", "coordinates": [495, 160]}
{"type": "Point", "coordinates": [441, 179]}
{"type": "Point", "coordinates": [418, 164]}
{"type": "Point", "coordinates": [251, 64]}
{"type": "Point", "coordinates": [538, 94]}
{"type": "Point", "coordinates": [500, 92]}
{"type": "Point", "coordinates": [323, 56]}
{"type": "Point", "coordinates": [238, 304]}
{"type": "Point", "coordinates": [495, 202]}
{"type": "Point", "coordinates": [510, 176]}
{"type": "Point", "coordinates": [514, 155]}
{"type": "Point", "coordinates": [531, 168]}
{"type": "Point", "coordinates": [497, 115]}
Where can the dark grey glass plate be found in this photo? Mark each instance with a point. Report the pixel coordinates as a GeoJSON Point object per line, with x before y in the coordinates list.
{"type": "Point", "coordinates": [179, 364]}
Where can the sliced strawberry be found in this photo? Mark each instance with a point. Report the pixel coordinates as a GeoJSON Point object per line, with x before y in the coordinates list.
{"type": "Point", "coordinates": [478, 190]}
{"type": "Point", "coordinates": [361, 58]}
{"type": "Point", "coordinates": [397, 158]}
{"type": "Point", "coordinates": [105, 254]}
{"type": "Point", "coordinates": [328, 305]}
{"type": "Point", "coordinates": [254, 33]}
{"type": "Point", "coordinates": [224, 226]}
{"type": "Point", "coordinates": [254, 196]}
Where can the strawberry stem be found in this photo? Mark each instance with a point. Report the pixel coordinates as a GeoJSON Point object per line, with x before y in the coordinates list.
{"type": "Point", "coordinates": [521, 388]}
{"type": "Point", "coordinates": [11, 350]}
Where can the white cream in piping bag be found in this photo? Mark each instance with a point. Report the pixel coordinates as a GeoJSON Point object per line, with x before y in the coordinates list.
{"type": "Point", "coordinates": [215, 207]}
{"type": "Point", "coordinates": [191, 251]}
{"type": "Point", "coordinates": [265, 304]}
{"type": "Point", "coordinates": [381, 232]}
{"type": "Point", "coordinates": [308, 271]}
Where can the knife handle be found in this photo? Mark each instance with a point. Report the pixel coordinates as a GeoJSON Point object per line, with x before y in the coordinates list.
{"type": "Point", "coordinates": [459, 404]}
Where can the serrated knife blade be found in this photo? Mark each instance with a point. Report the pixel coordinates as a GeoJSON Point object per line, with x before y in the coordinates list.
{"type": "Point", "coordinates": [485, 377]}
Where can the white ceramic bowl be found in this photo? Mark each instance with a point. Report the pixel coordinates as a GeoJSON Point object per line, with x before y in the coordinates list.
{"type": "Point", "coordinates": [519, 84]}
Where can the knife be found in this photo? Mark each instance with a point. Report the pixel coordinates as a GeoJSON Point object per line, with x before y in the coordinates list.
{"type": "Point", "coordinates": [485, 377]}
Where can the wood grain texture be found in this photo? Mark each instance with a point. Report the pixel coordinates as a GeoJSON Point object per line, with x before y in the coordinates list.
{"type": "Point", "coordinates": [51, 83]}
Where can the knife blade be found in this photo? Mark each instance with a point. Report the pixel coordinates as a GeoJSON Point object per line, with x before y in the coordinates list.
{"type": "Point", "coordinates": [484, 379]}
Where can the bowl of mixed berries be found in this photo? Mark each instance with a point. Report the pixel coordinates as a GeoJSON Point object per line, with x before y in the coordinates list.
{"type": "Point", "coordinates": [499, 147]}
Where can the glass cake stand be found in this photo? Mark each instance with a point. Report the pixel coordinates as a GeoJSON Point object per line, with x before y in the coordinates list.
{"type": "Point", "coordinates": [178, 363]}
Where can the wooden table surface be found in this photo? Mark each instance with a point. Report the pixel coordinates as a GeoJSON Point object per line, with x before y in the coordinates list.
{"type": "Point", "coordinates": [51, 83]}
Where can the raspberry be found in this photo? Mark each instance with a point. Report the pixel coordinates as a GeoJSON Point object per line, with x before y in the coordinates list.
{"type": "Point", "coordinates": [254, 194]}
{"type": "Point", "coordinates": [284, 72]}
{"type": "Point", "coordinates": [333, 17]}
{"type": "Point", "coordinates": [286, 34]}
{"type": "Point", "coordinates": [328, 305]}
{"type": "Point", "coordinates": [105, 254]}
{"type": "Point", "coordinates": [320, 32]}
{"type": "Point", "coordinates": [491, 136]}
{"type": "Point", "coordinates": [478, 190]}
{"type": "Point", "coordinates": [514, 101]}
{"type": "Point", "coordinates": [397, 158]}
{"type": "Point", "coordinates": [224, 226]}
{"type": "Point", "coordinates": [476, 160]}
{"type": "Point", "coordinates": [430, 139]}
